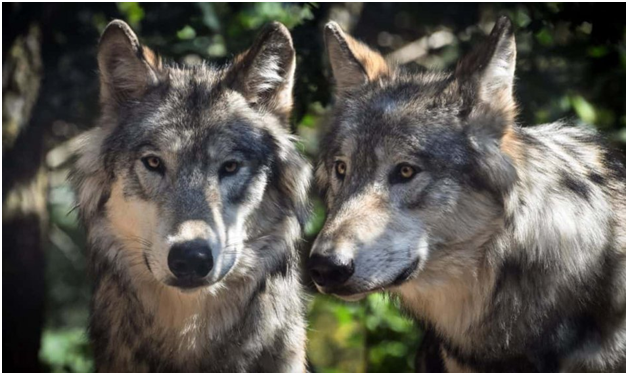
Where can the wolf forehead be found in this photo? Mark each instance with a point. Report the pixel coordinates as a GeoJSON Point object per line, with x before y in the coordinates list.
{"type": "Point", "coordinates": [190, 110]}
{"type": "Point", "coordinates": [420, 116]}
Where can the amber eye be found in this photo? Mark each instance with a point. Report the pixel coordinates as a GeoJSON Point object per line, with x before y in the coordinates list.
{"type": "Point", "coordinates": [341, 168]}
{"type": "Point", "coordinates": [406, 171]}
{"type": "Point", "coordinates": [403, 173]}
{"type": "Point", "coordinates": [230, 167]}
{"type": "Point", "coordinates": [153, 163]}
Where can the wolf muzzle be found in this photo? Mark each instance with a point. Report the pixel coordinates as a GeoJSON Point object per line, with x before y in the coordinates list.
{"type": "Point", "coordinates": [330, 271]}
{"type": "Point", "coordinates": [190, 262]}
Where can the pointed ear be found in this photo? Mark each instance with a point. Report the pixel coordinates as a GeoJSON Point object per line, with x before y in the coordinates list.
{"type": "Point", "coordinates": [352, 63]}
{"type": "Point", "coordinates": [126, 67]}
{"type": "Point", "coordinates": [264, 74]}
{"type": "Point", "coordinates": [492, 68]}
{"type": "Point", "coordinates": [486, 78]}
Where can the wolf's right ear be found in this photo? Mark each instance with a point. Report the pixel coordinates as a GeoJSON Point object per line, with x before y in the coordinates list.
{"type": "Point", "coordinates": [126, 67]}
{"type": "Point", "coordinates": [352, 63]}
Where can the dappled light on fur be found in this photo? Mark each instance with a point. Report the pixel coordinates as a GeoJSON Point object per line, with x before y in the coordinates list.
{"type": "Point", "coordinates": [192, 138]}
{"type": "Point", "coordinates": [250, 220]}
{"type": "Point", "coordinates": [500, 229]}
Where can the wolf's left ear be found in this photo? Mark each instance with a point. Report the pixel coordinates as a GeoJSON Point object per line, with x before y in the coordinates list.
{"type": "Point", "coordinates": [486, 78]}
{"type": "Point", "coordinates": [491, 69]}
{"type": "Point", "coordinates": [352, 62]}
{"type": "Point", "coordinates": [264, 74]}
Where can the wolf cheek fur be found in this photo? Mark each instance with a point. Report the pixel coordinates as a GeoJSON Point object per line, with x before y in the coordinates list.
{"type": "Point", "coordinates": [199, 158]}
{"type": "Point", "coordinates": [508, 242]}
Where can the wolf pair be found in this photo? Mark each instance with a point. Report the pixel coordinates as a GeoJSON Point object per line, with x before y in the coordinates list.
{"type": "Point", "coordinates": [507, 243]}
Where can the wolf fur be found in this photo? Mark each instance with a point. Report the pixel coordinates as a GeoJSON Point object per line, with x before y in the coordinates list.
{"type": "Point", "coordinates": [507, 242]}
{"type": "Point", "coordinates": [248, 314]}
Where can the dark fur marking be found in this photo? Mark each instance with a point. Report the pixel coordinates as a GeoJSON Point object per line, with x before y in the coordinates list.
{"type": "Point", "coordinates": [597, 178]}
{"type": "Point", "coordinates": [104, 198]}
{"type": "Point", "coordinates": [429, 358]}
{"type": "Point", "coordinates": [537, 349]}
{"type": "Point", "coordinates": [614, 161]}
{"type": "Point", "coordinates": [281, 267]}
{"type": "Point", "coordinates": [485, 363]}
{"type": "Point", "coordinates": [578, 187]}
{"type": "Point", "coordinates": [254, 143]}
{"type": "Point", "coordinates": [146, 261]}
{"type": "Point", "coordinates": [509, 221]}
{"type": "Point", "coordinates": [241, 193]}
{"type": "Point", "coordinates": [531, 140]}
{"type": "Point", "coordinates": [261, 287]}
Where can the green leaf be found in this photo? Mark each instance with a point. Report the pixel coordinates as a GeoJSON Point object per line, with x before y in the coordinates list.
{"type": "Point", "coordinates": [66, 350]}
{"type": "Point", "coordinates": [597, 51]}
{"type": "Point", "coordinates": [316, 220]}
{"type": "Point", "coordinates": [584, 109]}
{"type": "Point", "coordinates": [186, 33]}
{"type": "Point", "coordinates": [210, 18]}
{"type": "Point", "coordinates": [544, 37]}
{"type": "Point", "coordinates": [133, 13]}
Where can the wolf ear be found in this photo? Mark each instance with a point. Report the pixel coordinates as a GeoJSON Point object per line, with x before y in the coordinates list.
{"type": "Point", "coordinates": [264, 74]}
{"type": "Point", "coordinates": [352, 63]}
{"type": "Point", "coordinates": [491, 68]}
{"type": "Point", "coordinates": [486, 78]}
{"type": "Point", "coordinates": [126, 67]}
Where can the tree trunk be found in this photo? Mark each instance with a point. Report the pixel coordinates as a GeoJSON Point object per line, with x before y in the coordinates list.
{"type": "Point", "coordinates": [24, 215]}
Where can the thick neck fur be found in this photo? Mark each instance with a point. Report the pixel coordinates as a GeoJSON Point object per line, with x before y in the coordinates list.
{"type": "Point", "coordinates": [140, 324]}
{"type": "Point", "coordinates": [549, 279]}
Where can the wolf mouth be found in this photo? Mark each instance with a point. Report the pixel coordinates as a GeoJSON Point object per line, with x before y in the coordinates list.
{"type": "Point", "coordinates": [402, 277]}
{"type": "Point", "coordinates": [187, 284]}
{"type": "Point", "coordinates": [406, 274]}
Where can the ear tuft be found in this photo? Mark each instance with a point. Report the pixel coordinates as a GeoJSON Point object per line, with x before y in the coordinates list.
{"type": "Point", "coordinates": [353, 63]}
{"type": "Point", "coordinates": [264, 74]}
{"type": "Point", "coordinates": [492, 66]}
{"type": "Point", "coordinates": [126, 67]}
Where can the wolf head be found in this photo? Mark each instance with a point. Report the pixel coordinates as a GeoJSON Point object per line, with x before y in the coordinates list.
{"type": "Point", "coordinates": [186, 158]}
{"type": "Point", "coordinates": [414, 164]}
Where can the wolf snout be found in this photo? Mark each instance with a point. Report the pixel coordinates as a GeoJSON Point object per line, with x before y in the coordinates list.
{"type": "Point", "coordinates": [190, 260]}
{"type": "Point", "coordinates": [330, 271]}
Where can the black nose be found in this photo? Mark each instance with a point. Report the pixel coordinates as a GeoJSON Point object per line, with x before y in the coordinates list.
{"type": "Point", "coordinates": [191, 259]}
{"type": "Point", "coordinates": [330, 271]}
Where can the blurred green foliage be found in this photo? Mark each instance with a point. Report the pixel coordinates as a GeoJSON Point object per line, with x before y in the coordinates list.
{"type": "Point", "coordinates": [366, 336]}
{"type": "Point", "coordinates": [67, 350]}
{"type": "Point", "coordinates": [571, 64]}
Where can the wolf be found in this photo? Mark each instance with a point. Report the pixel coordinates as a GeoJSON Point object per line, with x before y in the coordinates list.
{"type": "Point", "coordinates": [507, 242]}
{"type": "Point", "coordinates": [194, 196]}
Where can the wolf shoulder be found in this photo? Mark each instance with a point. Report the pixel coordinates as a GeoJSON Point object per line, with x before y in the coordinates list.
{"type": "Point", "coordinates": [577, 150]}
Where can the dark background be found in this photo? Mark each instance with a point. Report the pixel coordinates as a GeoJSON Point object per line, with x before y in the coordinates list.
{"type": "Point", "coordinates": [571, 64]}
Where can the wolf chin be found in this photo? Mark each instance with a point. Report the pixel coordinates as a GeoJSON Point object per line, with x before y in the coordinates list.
{"type": "Point", "coordinates": [194, 197]}
{"type": "Point", "coordinates": [508, 243]}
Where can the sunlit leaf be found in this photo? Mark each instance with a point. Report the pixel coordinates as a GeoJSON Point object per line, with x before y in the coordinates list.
{"type": "Point", "coordinates": [584, 109]}
{"type": "Point", "coordinates": [133, 13]}
{"type": "Point", "coordinates": [186, 33]}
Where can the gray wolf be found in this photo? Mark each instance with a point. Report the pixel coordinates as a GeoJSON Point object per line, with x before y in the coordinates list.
{"type": "Point", "coordinates": [507, 242]}
{"type": "Point", "coordinates": [194, 197]}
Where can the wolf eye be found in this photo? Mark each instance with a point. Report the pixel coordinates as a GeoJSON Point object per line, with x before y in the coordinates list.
{"type": "Point", "coordinates": [406, 171]}
{"type": "Point", "coordinates": [403, 173]}
{"type": "Point", "coordinates": [153, 163]}
{"type": "Point", "coordinates": [341, 168]}
{"type": "Point", "coordinates": [230, 167]}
